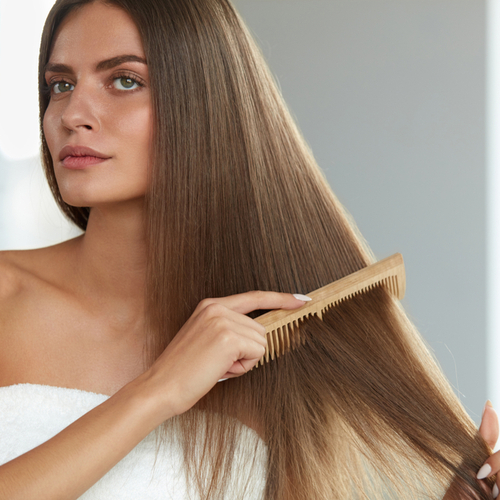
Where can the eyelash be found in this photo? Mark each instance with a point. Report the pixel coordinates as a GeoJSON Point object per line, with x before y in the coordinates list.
{"type": "Point", "coordinates": [129, 76]}
{"type": "Point", "coordinates": [48, 89]}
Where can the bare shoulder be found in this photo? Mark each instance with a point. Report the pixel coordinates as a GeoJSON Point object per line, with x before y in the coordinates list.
{"type": "Point", "coordinates": [24, 272]}
{"type": "Point", "coordinates": [12, 275]}
{"type": "Point", "coordinates": [30, 300]}
{"type": "Point", "coordinates": [18, 279]}
{"type": "Point", "coordinates": [19, 268]}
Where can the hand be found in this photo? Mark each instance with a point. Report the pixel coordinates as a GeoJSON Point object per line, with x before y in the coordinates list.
{"type": "Point", "coordinates": [218, 341]}
{"type": "Point", "coordinates": [489, 431]}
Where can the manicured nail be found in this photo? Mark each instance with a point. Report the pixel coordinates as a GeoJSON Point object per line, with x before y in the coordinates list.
{"type": "Point", "coordinates": [304, 298]}
{"type": "Point", "coordinates": [495, 491]}
{"type": "Point", "coordinates": [488, 403]}
{"type": "Point", "coordinates": [221, 380]}
{"type": "Point", "coordinates": [484, 471]}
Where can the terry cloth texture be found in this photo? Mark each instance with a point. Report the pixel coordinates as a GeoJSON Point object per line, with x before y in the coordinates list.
{"type": "Point", "coordinates": [30, 414]}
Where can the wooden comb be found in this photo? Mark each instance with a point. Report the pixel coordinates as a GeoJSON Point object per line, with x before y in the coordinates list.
{"type": "Point", "coordinates": [282, 326]}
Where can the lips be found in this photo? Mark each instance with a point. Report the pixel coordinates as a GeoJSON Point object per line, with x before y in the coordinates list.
{"type": "Point", "coordinates": [78, 157]}
{"type": "Point", "coordinates": [80, 151]}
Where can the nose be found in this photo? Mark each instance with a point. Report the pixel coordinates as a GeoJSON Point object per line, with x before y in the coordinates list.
{"type": "Point", "coordinates": [80, 113]}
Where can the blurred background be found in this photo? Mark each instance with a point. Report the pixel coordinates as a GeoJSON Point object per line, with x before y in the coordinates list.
{"type": "Point", "coordinates": [399, 102]}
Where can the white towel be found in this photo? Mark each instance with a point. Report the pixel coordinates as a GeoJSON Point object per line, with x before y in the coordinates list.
{"type": "Point", "coordinates": [30, 414]}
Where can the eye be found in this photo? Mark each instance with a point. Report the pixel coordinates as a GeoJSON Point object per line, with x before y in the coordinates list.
{"type": "Point", "coordinates": [62, 87]}
{"type": "Point", "coordinates": [125, 83]}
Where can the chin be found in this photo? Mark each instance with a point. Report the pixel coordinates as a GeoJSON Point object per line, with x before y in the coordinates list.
{"type": "Point", "coordinates": [80, 200]}
{"type": "Point", "coordinates": [99, 192]}
{"type": "Point", "coordinates": [104, 200]}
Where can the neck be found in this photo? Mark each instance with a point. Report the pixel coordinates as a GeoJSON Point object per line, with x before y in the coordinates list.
{"type": "Point", "coordinates": [111, 255]}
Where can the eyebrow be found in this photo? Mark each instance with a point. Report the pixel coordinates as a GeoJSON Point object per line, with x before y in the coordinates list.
{"type": "Point", "coordinates": [102, 66]}
{"type": "Point", "coordinates": [116, 61]}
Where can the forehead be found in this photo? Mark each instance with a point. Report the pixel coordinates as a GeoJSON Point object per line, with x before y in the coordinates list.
{"type": "Point", "coordinates": [96, 32]}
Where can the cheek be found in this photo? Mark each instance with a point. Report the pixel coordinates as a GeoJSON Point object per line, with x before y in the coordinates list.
{"type": "Point", "coordinates": [135, 128]}
{"type": "Point", "coordinates": [48, 128]}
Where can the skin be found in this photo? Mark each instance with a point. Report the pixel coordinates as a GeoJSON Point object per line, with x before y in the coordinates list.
{"type": "Point", "coordinates": [72, 315]}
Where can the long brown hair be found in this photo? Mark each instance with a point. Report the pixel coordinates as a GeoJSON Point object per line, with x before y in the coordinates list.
{"type": "Point", "coordinates": [236, 203]}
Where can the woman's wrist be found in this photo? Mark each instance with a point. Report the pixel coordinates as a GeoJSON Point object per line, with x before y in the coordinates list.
{"type": "Point", "coordinates": [151, 399]}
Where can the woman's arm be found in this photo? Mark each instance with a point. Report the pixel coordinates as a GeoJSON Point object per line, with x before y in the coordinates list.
{"type": "Point", "coordinates": [218, 341]}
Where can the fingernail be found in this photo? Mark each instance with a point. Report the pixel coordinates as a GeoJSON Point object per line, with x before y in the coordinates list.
{"type": "Point", "coordinates": [304, 298]}
{"type": "Point", "coordinates": [495, 491]}
{"type": "Point", "coordinates": [484, 471]}
{"type": "Point", "coordinates": [221, 380]}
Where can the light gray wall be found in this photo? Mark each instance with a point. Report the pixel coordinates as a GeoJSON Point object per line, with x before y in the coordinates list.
{"type": "Point", "coordinates": [390, 94]}
{"type": "Point", "coordinates": [29, 216]}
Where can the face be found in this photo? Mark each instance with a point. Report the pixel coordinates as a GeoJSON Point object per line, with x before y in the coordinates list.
{"type": "Point", "coordinates": [99, 120]}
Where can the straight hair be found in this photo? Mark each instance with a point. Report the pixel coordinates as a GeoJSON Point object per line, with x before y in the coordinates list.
{"type": "Point", "coordinates": [237, 202]}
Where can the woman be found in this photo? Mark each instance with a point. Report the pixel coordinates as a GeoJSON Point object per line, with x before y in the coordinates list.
{"type": "Point", "coordinates": [165, 139]}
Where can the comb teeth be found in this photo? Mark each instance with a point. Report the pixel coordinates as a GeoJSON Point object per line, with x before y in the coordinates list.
{"type": "Point", "coordinates": [283, 327]}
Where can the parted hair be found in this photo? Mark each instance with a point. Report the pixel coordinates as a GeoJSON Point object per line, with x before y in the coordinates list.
{"type": "Point", "coordinates": [237, 202]}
